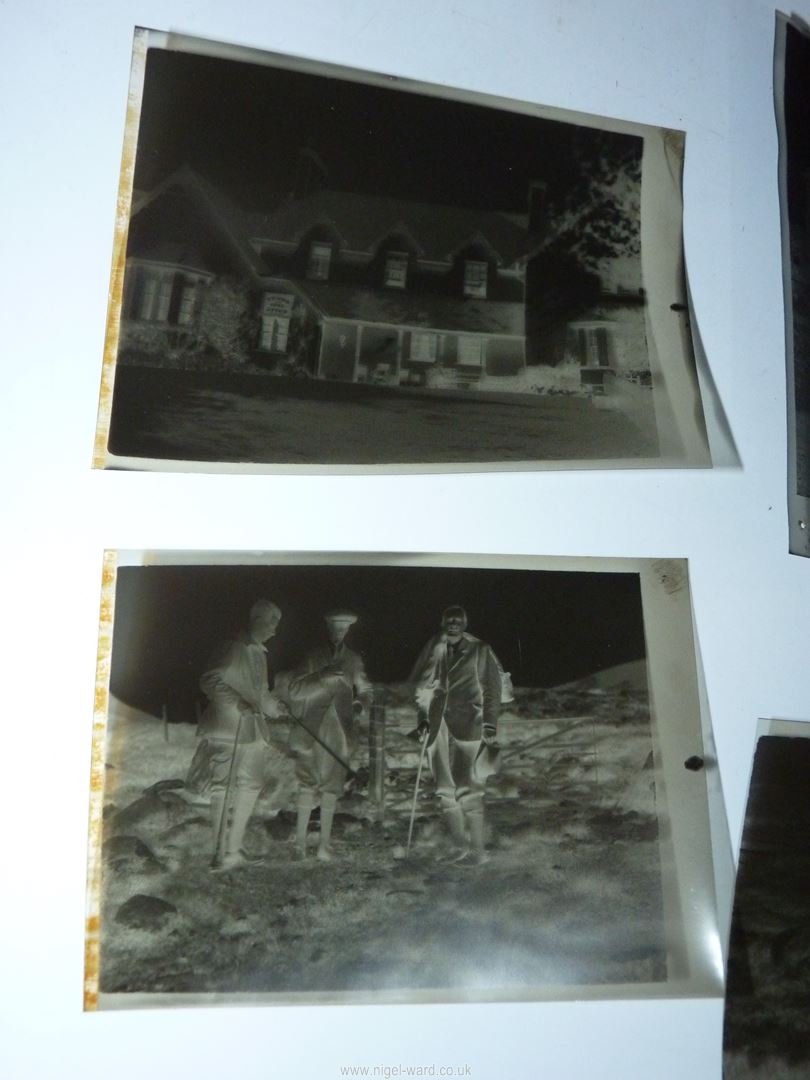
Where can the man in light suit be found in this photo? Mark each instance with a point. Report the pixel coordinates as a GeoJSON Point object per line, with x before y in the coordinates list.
{"type": "Point", "coordinates": [236, 684]}
{"type": "Point", "coordinates": [329, 693]}
{"type": "Point", "coordinates": [457, 681]}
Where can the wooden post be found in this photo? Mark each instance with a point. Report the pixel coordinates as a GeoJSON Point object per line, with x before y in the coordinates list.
{"type": "Point", "coordinates": [376, 761]}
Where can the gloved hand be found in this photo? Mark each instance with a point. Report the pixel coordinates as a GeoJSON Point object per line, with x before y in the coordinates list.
{"type": "Point", "coordinates": [274, 706]}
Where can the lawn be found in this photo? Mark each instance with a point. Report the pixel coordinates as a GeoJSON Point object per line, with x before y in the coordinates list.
{"type": "Point", "coordinates": [205, 416]}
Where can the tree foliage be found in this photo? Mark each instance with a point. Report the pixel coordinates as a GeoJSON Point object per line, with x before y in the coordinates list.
{"type": "Point", "coordinates": [593, 204]}
{"type": "Point", "coordinates": [589, 219]}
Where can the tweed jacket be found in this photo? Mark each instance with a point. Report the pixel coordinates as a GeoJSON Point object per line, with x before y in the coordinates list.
{"type": "Point", "coordinates": [236, 685]}
{"type": "Point", "coordinates": [312, 691]}
{"type": "Point", "coordinates": [461, 686]}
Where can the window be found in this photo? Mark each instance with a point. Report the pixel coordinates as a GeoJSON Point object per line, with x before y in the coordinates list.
{"type": "Point", "coordinates": [593, 346]}
{"type": "Point", "coordinates": [149, 290]}
{"type": "Point", "coordinates": [320, 256]}
{"type": "Point", "coordinates": [396, 269]}
{"type": "Point", "coordinates": [275, 333]}
{"type": "Point", "coordinates": [156, 297]}
{"type": "Point", "coordinates": [164, 299]}
{"type": "Point", "coordinates": [423, 347]}
{"type": "Point", "coordinates": [471, 351]}
{"type": "Point", "coordinates": [475, 277]}
{"type": "Point", "coordinates": [185, 312]}
{"type": "Point", "coordinates": [164, 294]}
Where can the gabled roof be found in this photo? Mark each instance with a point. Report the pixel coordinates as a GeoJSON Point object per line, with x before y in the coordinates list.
{"type": "Point", "coordinates": [364, 221]}
{"type": "Point", "coordinates": [223, 214]}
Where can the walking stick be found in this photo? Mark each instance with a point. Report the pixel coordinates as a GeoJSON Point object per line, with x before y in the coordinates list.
{"type": "Point", "coordinates": [352, 772]}
{"type": "Point", "coordinates": [416, 790]}
{"type": "Point", "coordinates": [222, 831]}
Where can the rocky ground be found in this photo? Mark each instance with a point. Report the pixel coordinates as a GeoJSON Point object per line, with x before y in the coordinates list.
{"type": "Point", "coordinates": [571, 894]}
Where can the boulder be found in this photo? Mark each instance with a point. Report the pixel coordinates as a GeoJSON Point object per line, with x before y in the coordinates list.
{"type": "Point", "coordinates": [130, 855]}
{"type": "Point", "coordinates": [145, 912]}
{"type": "Point", "coordinates": [156, 810]}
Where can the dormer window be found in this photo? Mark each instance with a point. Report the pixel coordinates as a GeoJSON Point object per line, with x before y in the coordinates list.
{"type": "Point", "coordinates": [320, 255]}
{"type": "Point", "coordinates": [475, 277]}
{"type": "Point", "coordinates": [396, 269]}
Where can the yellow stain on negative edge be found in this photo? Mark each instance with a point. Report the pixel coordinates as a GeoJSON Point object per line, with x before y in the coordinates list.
{"type": "Point", "coordinates": [123, 206]}
{"type": "Point", "coordinates": [92, 947]}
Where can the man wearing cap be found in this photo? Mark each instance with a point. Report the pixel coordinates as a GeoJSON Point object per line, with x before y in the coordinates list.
{"type": "Point", "coordinates": [457, 681]}
{"type": "Point", "coordinates": [233, 724]}
{"type": "Point", "coordinates": [328, 693]}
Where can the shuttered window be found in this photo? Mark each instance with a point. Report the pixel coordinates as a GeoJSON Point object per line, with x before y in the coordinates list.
{"type": "Point", "coordinates": [471, 351]}
{"type": "Point", "coordinates": [423, 347]}
{"type": "Point", "coordinates": [275, 334]}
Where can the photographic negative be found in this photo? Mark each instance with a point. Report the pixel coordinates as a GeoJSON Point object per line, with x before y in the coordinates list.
{"type": "Point", "coordinates": [397, 779]}
{"type": "Point", "coordinates": [320, 268]}
{"type": "Point", "coordinates": [792, 92]}
{"type": "Point", "coordinates": [767, 1017]}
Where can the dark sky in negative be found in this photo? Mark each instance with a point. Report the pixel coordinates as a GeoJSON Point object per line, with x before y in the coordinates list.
{"type": "Point", "coordinates": [546, 627]}
{"type": "Point", "coordinates": [242, 125]}
{"type": "Point", "coordinates": [797, 120]}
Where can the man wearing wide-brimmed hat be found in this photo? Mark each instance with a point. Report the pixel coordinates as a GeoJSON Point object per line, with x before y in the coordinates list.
{"type": "Point", "coordinates": [458, 688]}
{"type": "Point", "coordinates": [328, 694]}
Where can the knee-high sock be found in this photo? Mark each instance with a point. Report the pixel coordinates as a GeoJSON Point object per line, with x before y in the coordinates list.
{"type": "Point", "coordinates": [475, 823]}
{"type": "Point", "coordinates": [243, 803]}
{"type": "Point", "coordinates": [217, 806]}
{"type": "Point", "coordinates": [328, 804]}
{"type": "Point", "coordinates": [305, 804]}
{"type": "Point", "coordinates": [454, 817]}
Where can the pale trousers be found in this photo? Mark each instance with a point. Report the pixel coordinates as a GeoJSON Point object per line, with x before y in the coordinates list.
{"type": "Point", "coordinates": [451, 762]}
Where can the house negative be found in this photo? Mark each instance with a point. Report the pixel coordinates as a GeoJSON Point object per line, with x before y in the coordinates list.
{"type": "Point", "coordinates": [341, 267]}
{"type": "Point", "coordinates": [398, 778]}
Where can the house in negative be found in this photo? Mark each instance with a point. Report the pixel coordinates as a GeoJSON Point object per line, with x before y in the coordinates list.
{"type": "Point", "coordinates": [586, 321]}
{"type": "Point", "coordinates": [325, 284]}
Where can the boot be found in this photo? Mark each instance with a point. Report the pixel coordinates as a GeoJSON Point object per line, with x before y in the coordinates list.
{"type": "Point", "coordinates": [305, 805]}
{"type": "Point", "coordinates": [328, 804]}
{"type": "Point", "coordinates": [243, 803]}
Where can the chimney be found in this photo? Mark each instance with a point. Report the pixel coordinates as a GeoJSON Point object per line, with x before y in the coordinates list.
{"type": "Point", "coordinates": [310, 172]}
{"type": "Point", "coordinates": [537, 209]}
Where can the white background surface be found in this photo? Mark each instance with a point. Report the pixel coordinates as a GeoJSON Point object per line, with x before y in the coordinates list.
{"type": "Point", "coordinates": [701, 65]}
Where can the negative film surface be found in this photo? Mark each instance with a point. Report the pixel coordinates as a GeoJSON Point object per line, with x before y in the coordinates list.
{"type": "Point", "coordinates": [591, 874]}
{"type": "Point", "coordinates": [767, 1015]}
{"type": "Point", "coordinates": [792, 94]}
{"type": "Point", "coordinates": [322, 268]}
